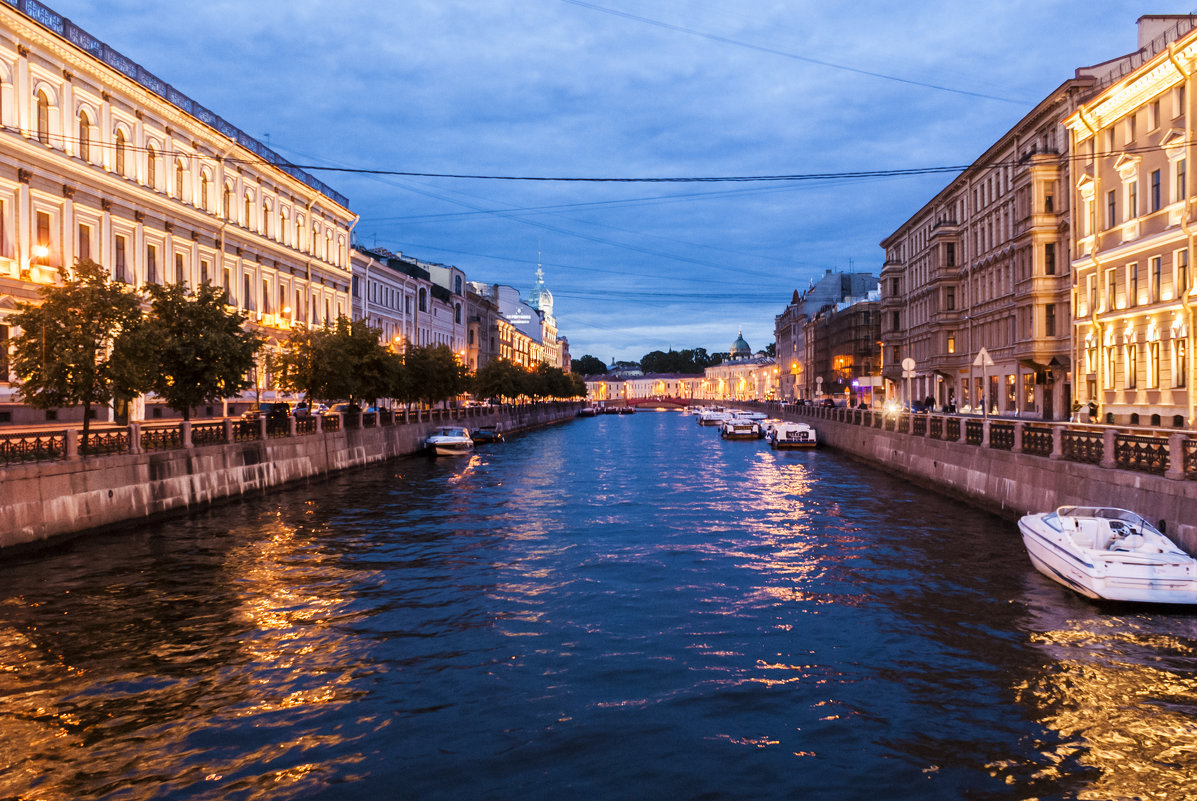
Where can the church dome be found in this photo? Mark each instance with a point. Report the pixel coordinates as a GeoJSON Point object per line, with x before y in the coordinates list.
{"type": "Point", "coordinates": [739, 348]}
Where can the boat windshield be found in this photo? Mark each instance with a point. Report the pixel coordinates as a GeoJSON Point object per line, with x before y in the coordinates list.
{"type": "Point", "coordinates": [1136, 522]}
{"type": "Point", "coordinates": [451, 432]}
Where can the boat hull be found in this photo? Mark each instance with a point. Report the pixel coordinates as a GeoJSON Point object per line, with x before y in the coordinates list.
{"type": "Point", "coordinates": [1094, 577]}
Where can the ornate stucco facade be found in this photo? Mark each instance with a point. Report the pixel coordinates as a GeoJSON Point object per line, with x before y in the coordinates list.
{"type": "Point", "coordinates": [1133, 228]}
{"type": "Point", "coordinates": [102, 160]}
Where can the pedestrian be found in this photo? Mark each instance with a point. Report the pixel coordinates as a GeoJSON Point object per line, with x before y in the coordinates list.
{"type": "Point", "coordinates": [1092, 411]}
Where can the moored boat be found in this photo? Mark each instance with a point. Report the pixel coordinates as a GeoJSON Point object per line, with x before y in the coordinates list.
{"type": "Point", "coordinates": [487, 434]}
{"type": "Point", "coordinates": [1108, 553]}
{"type": "Point", "coordinates": [788, 436]}
{"type": "Point", "coordinates": [450, 441]}
{"type": "Point", "coordinates": [712, 417]}
{"type": "Point", "coordinates": [737, 428]}
{"type": "Point", "coordinates": [588, 411]}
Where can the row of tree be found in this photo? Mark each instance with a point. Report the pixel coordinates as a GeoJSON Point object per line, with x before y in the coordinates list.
{"type": "Point", "coordinates": [92, 341]}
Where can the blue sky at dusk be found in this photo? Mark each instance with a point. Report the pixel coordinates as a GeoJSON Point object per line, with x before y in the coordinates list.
{"type": "Point", "coordinates": [625, 89]}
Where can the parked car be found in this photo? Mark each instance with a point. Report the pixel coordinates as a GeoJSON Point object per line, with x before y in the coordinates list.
{"type": "Point", "coordinates": [277, 413]}
{"type": "Point", "coordinates": [347, 408]}
{"type": "Point", "coordinates": [305, 409]}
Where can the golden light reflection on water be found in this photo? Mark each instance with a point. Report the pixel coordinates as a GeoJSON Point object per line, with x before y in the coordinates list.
{"type": "Point", "coordinates": [1121, 691]}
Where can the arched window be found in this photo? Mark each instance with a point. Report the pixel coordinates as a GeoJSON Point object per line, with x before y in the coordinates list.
{"type": "Point", "coordinates": [315, 243]}
{"type": "Point", "coordinates": [84, 136]}
{"type": "Point", "coordinates": [120, 152]}
{"type": "Point", "coordinates": [265, 219]}
{"type": "Point", "coordinates": [204, 191]}
{"type": "Point", "coordinates": [43, 118]}
{"type": "Point", "coordinates": [151, 167]}
{"type": "Point", "coordinates": [226, 202]}
{"type": "Point", "coordinates": [328, 254]}
{"type": "Point", "coordinates": [249, 209]}
{"type": "Point", "coordinates": [282, 225]}
{"type": "Point", "coordinates": [180, 174]}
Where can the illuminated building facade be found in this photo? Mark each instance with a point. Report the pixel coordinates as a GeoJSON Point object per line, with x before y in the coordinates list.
{"type": "Point", "coordinates": [983, 266]}
{"type": "Point", "coordinates": [1132, 239]}
{"type": "Point", "coordinates": [843, 352]}
{"type": "Point", "coordinates": [744, 376]}
{"type": "Point", "coordinates": [101, 160]}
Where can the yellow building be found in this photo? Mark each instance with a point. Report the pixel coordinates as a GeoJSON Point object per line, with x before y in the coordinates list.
{"type": "Point", "coordinates": [1132, 242]}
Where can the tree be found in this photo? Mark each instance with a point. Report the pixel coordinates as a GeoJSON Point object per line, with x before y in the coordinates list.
{"type": "Point", "coordinates": [69, 346]}
{"type": "Point", "coordinates": [432, 373]}
{"type": "Point", "coordinates": [196, 348]}
{"type": "Point", "coordinates": [499, 379]}
{"type": "Point", "coordinates": [588, 365]}
{"type": "Point", "coordinates": [342, 361]}
{"type": "Point", "coordinates": [771, 350]}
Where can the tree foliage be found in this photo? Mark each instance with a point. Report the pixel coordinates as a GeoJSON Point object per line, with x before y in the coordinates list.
{"type": "Point", "coordinates": [588, 365]}
{"type": "Point", "coordinates": [70, 345]}
{"type": "Point", "coordinates": [193, 348]}
{"type": "Point", "coordinates": [502, 379]}
{"type": "Point", "coordinates": [687, 362]}
{"type": "Point", "coordinates": [432, 373]}
{"type": "Point", "coordinates": [342, 361]}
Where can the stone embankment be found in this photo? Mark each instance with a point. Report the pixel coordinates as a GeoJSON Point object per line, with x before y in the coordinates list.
{"type": "Point", "coordinates": [1013, 467]}
{"type": "Point", "coordinates": [48, 491]}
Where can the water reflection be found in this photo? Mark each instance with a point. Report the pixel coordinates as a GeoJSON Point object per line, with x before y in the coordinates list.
{"type": "Point", "coordinates": [613, 608]}
{"type": "Point", "coordinates": [1120, 688]}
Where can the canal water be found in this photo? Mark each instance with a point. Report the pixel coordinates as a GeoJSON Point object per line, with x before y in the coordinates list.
{"type": "Point", "coordinates": [612, 608]}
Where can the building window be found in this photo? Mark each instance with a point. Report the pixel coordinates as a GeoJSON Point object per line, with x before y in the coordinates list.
{"type": "Point", "coordinates": [423, 300]}
{"type": "Point", "coordinates": [205, 271]}
{"type": "Point", "coordinates": [1132, 366]}
{"type": "Point", "coordinates": [1155, 190]}
{"type": "Point", "coordinates": [83, 251]}
{"type": "Point", "coordinates": [1132, 284]}
{"type": "Point", "coordinates": [265, 296]}
{"type": "Point", "coordinates": [1091, 358]}
{"type": "Point", "coordinates": [1111, 289]}
{"type": "Point", "coordinates": [300, 311]}
{"type": "Point", "coordinates": [151, 264]}
{"type": "Point", "coordinates": [950, 298]}
{"type": "Point", "coordinates": [1182, 273]}
{"type": "Point", "coordinates": [457, 313]}
{"type": "Point", "coordinates": [266, 219]}
{"type": "Point", "coordinates": [951, 342]}
{"type": "Point", "coordinates": [151, 167]}
{"type": "Point", "coordinates": [893, 287]}
{"type": "Point", "coordinates": [1111, 208]}
{"type": "Point", "coordinates": [121, 263]}
{"type": "Point", "coordinates": [1179, 376]}
{"type": "Point", "coordinates": [1132, 200]}
{"type": "Point", "coordinates": [44, 243]}
{"type": "Point", "coordinates": [120, 152]}
{"type": "Point", "coordinates": [457, 284]}
{"type": "Point", "coordinates": [949, 254]}
{"type": "Point", "coordinates": [180, 174]}
{"type": "Point", "coordinates": [179, 268]}
{"type": "Point", "coordinates": [1153, 365]}
{"type": "Point", "coordinates": [1156, 270]}
{"type": "Point", "coordinates": [249, 289]}
{"type": "Point", "coordinates": [43, 118]}
{"type": "Point", "coordinates": [1111, 366]}
{"type": "Point", "coordinates": [1153, 115]}
{"type": "Point", "coordinates": [896, 320]}
{"type": "Point", "coordinates": [248, 210]}
{"type": "Point", "coordinates": [204, 191]}
{"type": "Point", "coordinates": [1028, 392]}
{"type": "Point", "coordinates": [1049, 258]}
{"type": "Point", "coordinates": [1049, 319]}
{"type": "Point", "coordinates": [1181, 188]}
{"type": "Point", "coordinates": [84, 136]}
{"type": "Point", "coordinates": [1092, 283]}
{"type": "Point", "coordinates": [4, 354]}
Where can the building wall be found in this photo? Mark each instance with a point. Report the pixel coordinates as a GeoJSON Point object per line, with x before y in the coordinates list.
{"type": "Point", "coordinates": [96, 165]}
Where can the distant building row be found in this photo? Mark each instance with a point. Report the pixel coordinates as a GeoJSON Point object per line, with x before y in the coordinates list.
{"type": "Point", "coordinates": [101, 160]}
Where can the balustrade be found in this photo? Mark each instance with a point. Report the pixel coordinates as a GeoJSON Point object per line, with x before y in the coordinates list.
{"type": "Point", "coordinates": [1001, 435]}
{"type": "Point", "coordinates": [33, 447]}
{"type": "Point", "coordinates": [1144, 454]}
{"type": "Point", "coordinates": [1037, 440]}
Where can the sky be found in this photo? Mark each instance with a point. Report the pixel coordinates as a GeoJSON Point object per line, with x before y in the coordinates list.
{"type": "Point", "coordinates": [625, 89]}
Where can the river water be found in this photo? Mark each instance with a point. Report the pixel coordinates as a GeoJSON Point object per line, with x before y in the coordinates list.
{"type": "Point", "coordinates": [619, 607]}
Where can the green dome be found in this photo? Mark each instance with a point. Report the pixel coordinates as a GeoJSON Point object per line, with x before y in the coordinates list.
{"type": "Point", "coordinates": [740, 348]}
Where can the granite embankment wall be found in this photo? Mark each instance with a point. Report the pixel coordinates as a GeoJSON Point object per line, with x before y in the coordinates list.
{"type": "Point", "coordinates": [51, 500]}
{"type": "Point", "coordinates": [1007, 483]}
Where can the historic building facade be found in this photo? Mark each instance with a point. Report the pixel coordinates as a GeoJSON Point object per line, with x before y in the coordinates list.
{"type": "Point", "coordinates": [977, 285]}
{"type": "Point", "coordinates": [843, 353]}
{"type": "Point", "coordinates": [101, 160]}
{"type": "Point", "coordinates": [1132, 243]}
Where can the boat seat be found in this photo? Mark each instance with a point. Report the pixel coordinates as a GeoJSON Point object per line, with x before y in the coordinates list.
{"type": "Point", "coordinates": [1084, 538]}
{"type": "Point", "coordinates": [1131, 542]}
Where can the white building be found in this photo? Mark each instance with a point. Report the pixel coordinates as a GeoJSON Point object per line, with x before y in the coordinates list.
{"type": "Point", "coordinates": [102, 160]}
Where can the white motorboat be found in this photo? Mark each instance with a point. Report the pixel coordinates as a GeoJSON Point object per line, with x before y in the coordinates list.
{"type": "Point", "coordinates": [786, 436]}
{"type": "Point", "coordinates": [712, 417]}
{"type": "Point", "coordinates": [736, 428]}
{"type": "Point", "coordinates": [450, 441]}
{"type": "Point", "coordinates": [744, 414]}
{"type": "Point", "coordinates": [1111, 554]}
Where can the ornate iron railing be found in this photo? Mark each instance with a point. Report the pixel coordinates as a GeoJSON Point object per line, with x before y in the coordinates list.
{"type": "Point", "coordinates": [305, 425]}
{"type": "Point", "coordinates": [974, 432]}
{"type": "Point", "coordinates": [246, 430]}
{"type": "Point", "coordinates": [105, 442]}
{"type": "Point", "coordinates": [1144, 454]}
{"type": "Point", "coordinates": [936, 425]}
{"type": "Point", "coordinates": [207, 434]}
{"type": "Point", "coordinates": [1001, 436]}
{"type": "Point", "coordinates": [1082, 446]}
{"type": "Point", "coordinates": [157, 439]}
{"type": "Point", "coordinates": [331, 422]}
{"type": "Point", "coordinates": [918, 425]}
{"type": "Point", "coordinates": [1190, 458]}
{"type": "Point", "coordinates": [952, 429]}
{"type": "Point", "coordinates": [34, 447]}
{"type": "Point", "coordinates": [1037, 440]}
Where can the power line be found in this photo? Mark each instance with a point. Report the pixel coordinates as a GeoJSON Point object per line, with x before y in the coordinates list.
{"type": "Point", "coordinates": [785, 54]}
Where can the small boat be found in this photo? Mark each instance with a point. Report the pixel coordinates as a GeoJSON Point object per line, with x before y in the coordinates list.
{"type": "Point", "coordinates": [737, 428]}
{"type": "Point", "coordinates": [588, 411]}
{"type": "Point", "coordinates": [450, 441]}
{"type": "Point", "coordinates": [712, 417]}
{"type": "Point", "coordinates": [1111, 554]}
{"type": "Point", "coordinates": [487, 434]}
{"type": "Point", "coordinates": [747, 415]}
{"type": "Point", "coordinates": [627, 410]}
{"type": "Point", "coordinates": [785, 436]}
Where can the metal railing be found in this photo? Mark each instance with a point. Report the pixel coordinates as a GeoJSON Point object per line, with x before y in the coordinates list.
{"type": "Point", "coordinates": [32, 447]}
{"type": "Point", "coordinates": [1001, 436]}
{"type": "Point", "coordinates": [1084, 446]}
{"type": "Point", "coordinates": [1037, 440]}
{"type": "Point", "coordinates": [207, 434]}
{"type": "Point", "coordinates": [1145, 454]}
{"type": "Point", "coordinates": [157, 439]}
